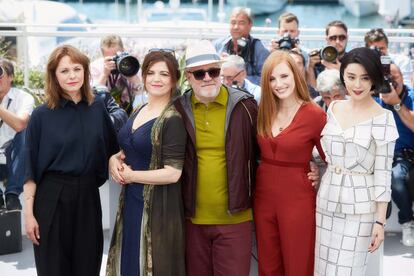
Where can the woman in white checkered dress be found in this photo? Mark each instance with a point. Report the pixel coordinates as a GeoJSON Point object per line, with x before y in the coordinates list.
{"type": "Point", "coordinates": [358, 141]}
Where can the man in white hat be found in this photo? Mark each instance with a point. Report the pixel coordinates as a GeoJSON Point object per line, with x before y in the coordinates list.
{"type": "Point", "coordinates": [218, 169]}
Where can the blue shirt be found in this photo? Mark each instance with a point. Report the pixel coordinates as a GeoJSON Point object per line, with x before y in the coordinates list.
{"type": "Point", "coordinates": [72, 139]}
{"type": "Point", "coordinates": [254, 61]}
{"type": "Point", "coordinates": [406, 139]}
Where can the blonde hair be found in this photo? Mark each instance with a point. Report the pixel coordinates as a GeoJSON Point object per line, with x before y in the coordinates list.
{"type": "Point", "coordinates": [269, 103]}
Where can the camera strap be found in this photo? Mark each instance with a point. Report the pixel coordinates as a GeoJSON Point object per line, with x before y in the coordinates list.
{"type": "Point", "coordinates": [7, 107]}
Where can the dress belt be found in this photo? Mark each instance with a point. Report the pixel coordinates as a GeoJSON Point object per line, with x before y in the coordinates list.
{"type": "Point", "coordinates": [340, 170]}
{"type": "Point", "coordinates": [285, 164]}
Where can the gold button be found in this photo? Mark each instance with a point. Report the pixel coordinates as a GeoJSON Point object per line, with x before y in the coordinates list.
{"type": "Point", "coordinates": [338, 170]}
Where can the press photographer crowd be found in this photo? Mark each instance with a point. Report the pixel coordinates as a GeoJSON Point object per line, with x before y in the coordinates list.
{"type": "Point", "coordinates": [308, 147]}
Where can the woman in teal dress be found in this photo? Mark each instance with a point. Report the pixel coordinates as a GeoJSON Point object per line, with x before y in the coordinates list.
{"type": "Point", "coordinates": [148, 237]}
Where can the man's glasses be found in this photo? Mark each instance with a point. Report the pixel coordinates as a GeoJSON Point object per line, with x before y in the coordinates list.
{"type": "Point", "coordinates": [231, 78]}
{"type": "Point", "coordinates": [336, 37]}
{"type": "Point", "coordinates": [162, 50]}
{"type": "Point", "coordinates": [200, 74]}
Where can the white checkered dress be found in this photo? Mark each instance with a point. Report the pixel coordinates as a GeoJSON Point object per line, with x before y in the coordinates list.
{"type": "Point", "coordinates": [359, 174]}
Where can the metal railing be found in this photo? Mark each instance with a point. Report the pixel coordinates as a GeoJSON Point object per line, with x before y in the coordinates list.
{"type": "Point", "coordinates": [174, 30]}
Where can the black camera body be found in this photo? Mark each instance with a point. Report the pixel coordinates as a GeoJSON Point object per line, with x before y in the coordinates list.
{"type": "Point", "coordinates": [386, 68]}
{"type": "Point", "coordinates": [328, 53]}
{"type": "Point", "coordinates": [126, 64]}
{"type": "Point", "coordinates": [287, 42]}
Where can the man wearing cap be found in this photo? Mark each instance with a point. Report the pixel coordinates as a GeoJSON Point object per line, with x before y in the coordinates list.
{"type": "Point", "coordinates": [241, 43]}
{"type": "Point", "coordinates": [218, 169]}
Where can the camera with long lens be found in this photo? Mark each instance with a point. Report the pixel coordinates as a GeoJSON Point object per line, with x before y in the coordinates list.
{"type": "Point", "coordinates": [328, 53]}
{"type": "Point", "coordinates": [287, 42]}
{"type": "Point", "coordinates": [386, 67]}
{"type": "Point", "coordinates": [126, 64]}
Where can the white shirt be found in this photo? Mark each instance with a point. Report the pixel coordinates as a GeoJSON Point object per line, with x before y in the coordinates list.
{"type": "Point", "coordinates": [253, 89]}
{"type": "Point", "coordinates": [404, 63]}
{"type": "Point", "coordinates": [20, 103]}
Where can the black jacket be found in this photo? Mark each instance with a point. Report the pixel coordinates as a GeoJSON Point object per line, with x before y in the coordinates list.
{"type": "Point", "coordinates": [117, 114]}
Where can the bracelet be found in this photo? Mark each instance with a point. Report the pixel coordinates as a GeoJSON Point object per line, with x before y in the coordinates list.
{"type": "Point", "coordinates": [380, 223]}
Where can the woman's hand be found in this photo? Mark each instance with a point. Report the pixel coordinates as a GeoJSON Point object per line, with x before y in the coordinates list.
{"type": "Point", "coordinates": [32, 229]}
{"type": "Point", "coordinates": [313, 175]}
{"type": "Point", "coordinates": [115, 166]}
{"type": "Point", "coordinates": [126, 174]}
{"type": "Point", "coordinates": [377, 237]}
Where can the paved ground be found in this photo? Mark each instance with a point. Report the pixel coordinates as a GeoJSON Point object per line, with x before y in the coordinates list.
{"type": "Point", "coordinates": [398, 259]}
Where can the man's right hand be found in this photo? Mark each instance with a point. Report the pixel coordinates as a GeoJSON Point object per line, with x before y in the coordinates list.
{"type": "Point", "coordinates": [109, 65]}
{"type": "Point", "coordinates": [274, 45]}
{"type": "Point", "coordinates": [314, 58]}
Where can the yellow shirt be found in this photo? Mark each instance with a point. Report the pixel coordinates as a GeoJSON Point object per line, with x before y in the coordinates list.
{"type": "Point", "coordinates": [211, 195]}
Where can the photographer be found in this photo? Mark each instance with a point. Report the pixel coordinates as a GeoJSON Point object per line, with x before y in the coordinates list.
{"type": "Point", "coordinates": [378, 38]}
{"type": "Point", "coordinates": [401, 102]}
{"type": "Point", "coordinates": [233, 73]}
{"type": "Point", "coordinates": [288, 32]}
{"type": "Point", "coordinates": [241, 43]}
{"type": "Point", "coordinates": [103, 72]}
{"type": "Point", "coordinates": [336, 36]}
{"type": "Point", "coordinates": [15, 109]}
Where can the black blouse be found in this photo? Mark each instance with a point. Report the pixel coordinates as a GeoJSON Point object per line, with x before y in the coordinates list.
{"type": "Point", "coordinates": [73, 139]}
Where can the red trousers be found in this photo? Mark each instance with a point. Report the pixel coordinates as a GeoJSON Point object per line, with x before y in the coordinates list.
{"type": "Point", "coordinates": [219, 250]}
{"type": "Point", "coordinates": [284, 215]}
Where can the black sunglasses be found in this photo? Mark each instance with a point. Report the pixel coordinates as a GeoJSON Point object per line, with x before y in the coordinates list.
{"type": "Point", "coordinates": [200, 74]}
{"type": "Point", "coordinates": [162, 50]}
{"type": "Point", "coordinates": [335, 37]}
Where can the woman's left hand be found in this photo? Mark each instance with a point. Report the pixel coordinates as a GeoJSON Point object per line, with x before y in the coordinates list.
{"type": "Point", "coordinates": [377, 237]}
{"type": "Point", "coordinates": [127, 174]}
{"type": "Point", "coordinates": [313, 175]}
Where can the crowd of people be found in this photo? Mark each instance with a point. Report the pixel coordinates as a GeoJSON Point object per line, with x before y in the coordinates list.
{"type": "Point", "coordinates": [202, 169]}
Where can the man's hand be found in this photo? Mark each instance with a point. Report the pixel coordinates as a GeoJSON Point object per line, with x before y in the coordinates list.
{"type": "Point", "coordinates": [391, 98]}
{"type": "Point", "coordinates": [331, 65]}
{"type": "Point", "coordinates": [109, 65]}
{"type": "Point", "coordinates": [274, 45]}
{"type": "Point", "coordinates": [314, 58]}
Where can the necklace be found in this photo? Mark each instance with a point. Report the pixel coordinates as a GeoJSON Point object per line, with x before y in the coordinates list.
{"type": "Point", "coordinates": [289, 117]}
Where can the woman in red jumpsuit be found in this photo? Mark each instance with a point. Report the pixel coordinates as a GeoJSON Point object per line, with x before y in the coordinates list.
{"type": "Point", "coordinates": [289, 126]}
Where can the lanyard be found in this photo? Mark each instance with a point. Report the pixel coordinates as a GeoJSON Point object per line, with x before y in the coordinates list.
{"type": "Point", "coordinates": [7, 107]}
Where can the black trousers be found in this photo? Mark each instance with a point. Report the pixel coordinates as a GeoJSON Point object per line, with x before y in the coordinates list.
{"type": "Point", "coordinates": [69, 214]}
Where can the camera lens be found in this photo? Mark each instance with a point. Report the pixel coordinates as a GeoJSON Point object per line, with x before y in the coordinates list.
{"type": "Point", "coordinates": [128, 66]}
{"type": "Point", "coordinates": [329, 53]}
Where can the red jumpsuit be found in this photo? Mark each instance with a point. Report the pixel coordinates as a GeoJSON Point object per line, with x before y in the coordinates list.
{"type": "Point", "coordinates": [284, 199]}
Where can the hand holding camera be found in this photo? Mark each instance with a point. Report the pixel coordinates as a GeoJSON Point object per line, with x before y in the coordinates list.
{"type": "Point", "coordinates": [122, 63]}
{"type": "Point", "coordinates": [286, 42]}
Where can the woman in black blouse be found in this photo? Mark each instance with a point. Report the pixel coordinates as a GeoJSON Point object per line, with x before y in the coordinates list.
{"type": "Point", "coordinates": [69, 141]}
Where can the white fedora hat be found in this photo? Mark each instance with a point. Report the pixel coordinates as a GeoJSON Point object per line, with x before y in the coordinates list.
{"type": "Point", "coordinates": [201, 53]}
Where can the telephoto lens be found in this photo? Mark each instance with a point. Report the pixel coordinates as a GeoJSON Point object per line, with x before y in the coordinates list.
{"type": "Point", "coordinates": [329, 53]}
{"type": "Point", "coordinates": [126, 64]}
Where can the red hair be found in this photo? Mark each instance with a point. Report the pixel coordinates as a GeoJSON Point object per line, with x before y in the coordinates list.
{"type": "Point", "coordinates": [269, 102]}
